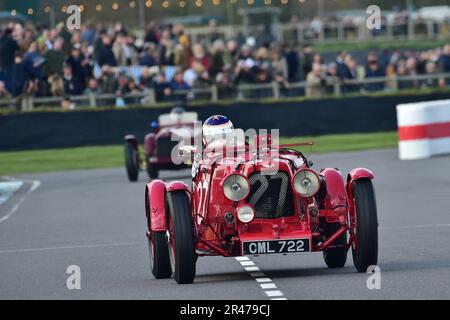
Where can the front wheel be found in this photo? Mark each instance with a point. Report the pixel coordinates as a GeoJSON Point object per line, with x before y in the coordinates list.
{"type": "Point", "coordinates": [131, 161]}
{"type": "Point", "coordinates": [365, 248]}
{"type": "Point", "coordinates": [181, 238]}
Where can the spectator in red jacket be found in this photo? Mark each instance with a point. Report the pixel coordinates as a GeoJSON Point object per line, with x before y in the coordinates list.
{"type": "Point", "coordinates": [198, 55]}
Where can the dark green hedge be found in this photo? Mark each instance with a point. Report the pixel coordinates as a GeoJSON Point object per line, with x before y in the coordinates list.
{"type": "Point", "coordinates": [38, 130]}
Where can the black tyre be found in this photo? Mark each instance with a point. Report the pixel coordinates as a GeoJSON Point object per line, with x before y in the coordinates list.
{"type": "Point", "coordinates": [157, 246]}
{"type": "Point", "coordinates": [365, 251]}
{"type": "Point", "coordinates": [335, 257]}
{"type": "Point", "coordinates": [152, 170]}
{"type": "Point", "coordinates": [181, 243]}
{"type": "Point", "coordinates": [131, 161]}
{"type": "Point", "coordinates": [159, 255]}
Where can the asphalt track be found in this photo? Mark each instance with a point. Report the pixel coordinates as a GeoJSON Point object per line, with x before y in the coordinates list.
{"type": "Point", "coordinates": [94, 219]}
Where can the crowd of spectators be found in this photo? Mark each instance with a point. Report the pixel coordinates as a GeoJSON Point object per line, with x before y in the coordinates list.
{"type": "Point", "coordinates": [405, 66]}
{"type": "Point", "coordinates": [41, 61]}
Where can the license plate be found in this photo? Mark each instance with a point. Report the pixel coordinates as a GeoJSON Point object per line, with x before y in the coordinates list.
{"type": "Point", "coordinates": [276, 246]}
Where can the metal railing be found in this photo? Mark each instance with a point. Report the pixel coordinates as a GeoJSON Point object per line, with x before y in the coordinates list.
{"type": "Point", "coordinates": [215, 93]}
{"type": "Point", "coordinates": [335, 31]}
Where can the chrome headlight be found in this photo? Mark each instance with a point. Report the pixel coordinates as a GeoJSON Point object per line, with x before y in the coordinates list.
{"type": "Point", "coordinates": [236, 187]}
{"type": "Point", "coordinates": [245, 213]}
{"type": "Point", "coordinates": [306, 183]}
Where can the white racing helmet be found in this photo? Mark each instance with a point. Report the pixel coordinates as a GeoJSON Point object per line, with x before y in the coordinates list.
{"type": "Point", "coordinates": [216, 129]}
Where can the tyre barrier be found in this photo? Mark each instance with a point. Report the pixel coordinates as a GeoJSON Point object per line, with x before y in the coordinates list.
{"type": "Point", "coordinates": [423, 129]}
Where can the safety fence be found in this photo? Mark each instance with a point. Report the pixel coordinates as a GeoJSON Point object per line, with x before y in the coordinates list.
{"type": "Point", "coordinates": [334, 31]}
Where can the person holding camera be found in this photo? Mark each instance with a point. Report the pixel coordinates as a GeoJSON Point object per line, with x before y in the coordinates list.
{"type": "Point", "coordinates": [316, 82]}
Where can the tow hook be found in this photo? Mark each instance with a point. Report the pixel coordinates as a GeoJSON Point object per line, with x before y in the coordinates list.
{"type": "Point", "coordinates": [278, 228]}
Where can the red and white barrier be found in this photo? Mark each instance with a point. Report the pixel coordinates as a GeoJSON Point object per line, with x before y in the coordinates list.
{"type": "Point", "coordinates": [423, 129]}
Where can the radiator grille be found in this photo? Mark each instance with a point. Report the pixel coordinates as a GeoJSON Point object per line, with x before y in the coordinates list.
{"type": "Point", "coordinates": [271, 195]}
{"type": "Point", "coordinates": [164, 146]}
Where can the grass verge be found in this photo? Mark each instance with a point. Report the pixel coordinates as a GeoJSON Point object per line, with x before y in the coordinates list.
{"type": "Point", "coordinates": [20, 162]}
{"type": "Point", "coordinates": [60, 159]}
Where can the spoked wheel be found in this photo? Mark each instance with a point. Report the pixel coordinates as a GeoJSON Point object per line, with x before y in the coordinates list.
{"type": "Point", "coordinates": [181, 238]}
{"type": "Point", "coordinates": [365, 247]}
{"type": "Point", "coordinates": [335, 257]}
{"type": "Point", "coordinates": [152, 170]}
{"type": "Point", "coordinates": [131, 161]}
{"type": "Point", "coordinates": [158, 251]}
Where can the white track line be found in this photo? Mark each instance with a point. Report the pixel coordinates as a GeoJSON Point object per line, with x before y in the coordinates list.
{"type": "Point", "coordinates": [242, 258]}
{"type": "Point", "coordinates": [34, 185]}
{"type": "Point", "coordinates": [268, 286]}
{"type": "Point", "coordinates": [264, 282]}
{"type": "Point", "coordinates": [7, 189]}
{"type": "Point", "coordinates": [71, 247]}
{"type": "Point", "coordinates": [249, 269]}
{"type": "Point", "coordinates": [274, 293]}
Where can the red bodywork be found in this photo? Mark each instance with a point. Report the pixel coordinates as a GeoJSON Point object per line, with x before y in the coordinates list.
{"type": "Point", "coordinates": [216, 236]}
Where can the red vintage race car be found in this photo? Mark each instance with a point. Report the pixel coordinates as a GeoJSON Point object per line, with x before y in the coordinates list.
{"type": "Point", "coordinates": [158, 145]}
{"type": "Point", "coordinates": [237, 205]}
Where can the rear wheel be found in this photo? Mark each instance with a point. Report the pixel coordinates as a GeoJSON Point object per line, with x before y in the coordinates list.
{"type": "Point", "coordinates": [365, 248]}
{"type": "Point", "coordinates": [131, 161]}
{"type": "Point", "coordinates": [181, 238]}
{"type": "Point", "coordinates": [157, 246]}
{"type": "Point", "coordinates": [159, 255]}
{"type": "Point", "coordinates": [335, 257]}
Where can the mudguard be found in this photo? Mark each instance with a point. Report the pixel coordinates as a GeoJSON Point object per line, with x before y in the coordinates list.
{"type": "Point", "coordinates": [177, 185]}
{"type": "Point", "coordinates": [155, 201]}
{"type": "Point", "coordinates": [360, 173]}
{"type": "Point", "coordinates": [336, 194]}
{"type": "Point", "coordinates": [356, 174]}
{"type": "Point", "coordinates": [150, 144]}
{"type": "Point", "coordinates": [132, 138]}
